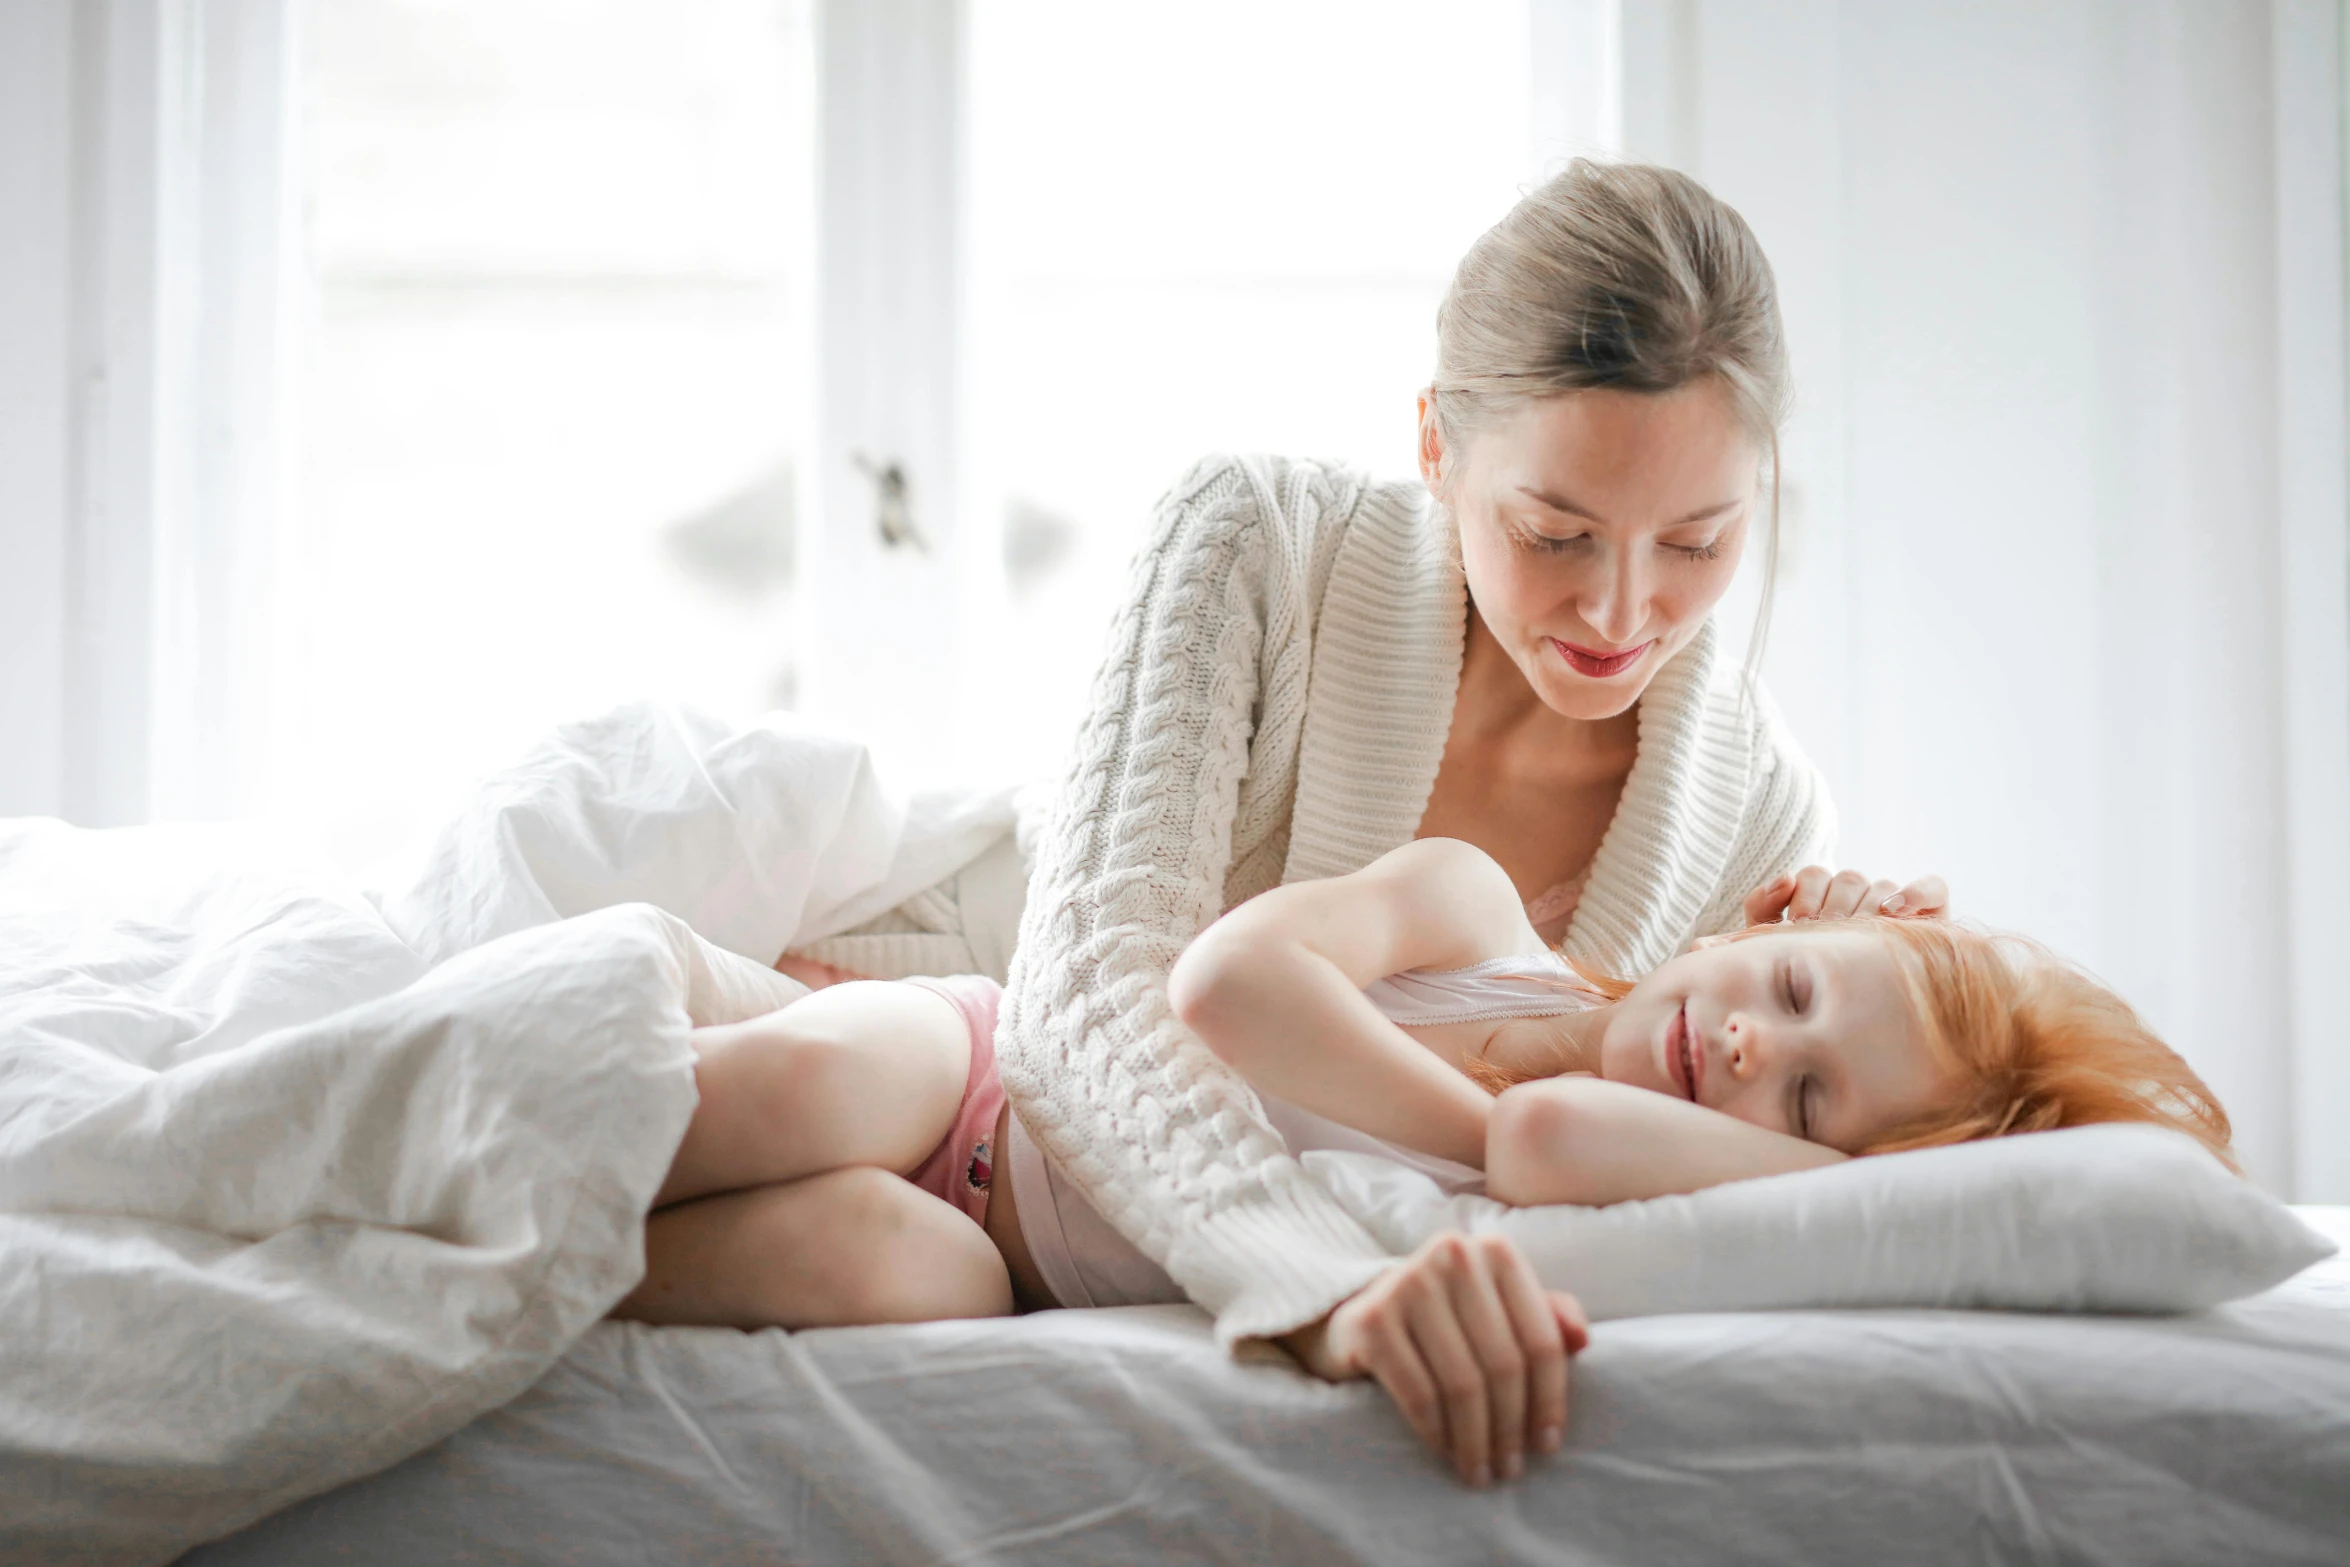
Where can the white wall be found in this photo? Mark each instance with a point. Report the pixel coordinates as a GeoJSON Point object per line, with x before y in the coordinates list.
{"type": "Point", "coordinates": [2063, 285]}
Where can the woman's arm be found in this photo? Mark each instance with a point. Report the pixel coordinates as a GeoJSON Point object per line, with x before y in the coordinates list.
{"type": "Point", "coordinates": [1160, 1136]}
{"type": "Point", "coordinates": [1275, 989]}
{"type": "Point", "coordinates": [1585, 1140]}
{"type": "Point", "coordinates": [1203, 686]}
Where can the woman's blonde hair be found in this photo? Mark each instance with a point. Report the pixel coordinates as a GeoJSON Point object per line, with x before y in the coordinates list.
{"type": "Point", "coordinates": [2034, 1042]}
{"type": "Point", "coordinates": [1622, 276]}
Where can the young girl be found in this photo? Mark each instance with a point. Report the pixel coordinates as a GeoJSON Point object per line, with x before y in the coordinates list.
{"type": "Point", "coordinates": [843, 1164]}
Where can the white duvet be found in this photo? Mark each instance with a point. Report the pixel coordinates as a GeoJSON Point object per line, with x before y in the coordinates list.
{"type": "Point", "coordinates": [295, 1182]}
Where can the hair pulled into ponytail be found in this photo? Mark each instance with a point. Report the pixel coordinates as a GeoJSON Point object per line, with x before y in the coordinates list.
{"type": "Point", "coordinates": [1624, 276]}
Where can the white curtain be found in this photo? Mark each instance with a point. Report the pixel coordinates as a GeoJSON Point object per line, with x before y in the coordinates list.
{"type": "Point", "coordinates": [2063, 609]}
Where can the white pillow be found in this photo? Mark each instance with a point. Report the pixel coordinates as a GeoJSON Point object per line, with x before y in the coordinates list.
{"type": "Point", "coordinates": [2096, 1218]}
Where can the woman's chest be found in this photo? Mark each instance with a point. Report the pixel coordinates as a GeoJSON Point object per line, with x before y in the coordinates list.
{"type": "Point", "coordinates": [1540, 817]}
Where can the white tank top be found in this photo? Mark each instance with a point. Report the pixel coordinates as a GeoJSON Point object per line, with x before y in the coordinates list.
{"type": "Point", "coordinates": [1537, 984]}
{"type": "Point", "coordinates": [1086, 1262]}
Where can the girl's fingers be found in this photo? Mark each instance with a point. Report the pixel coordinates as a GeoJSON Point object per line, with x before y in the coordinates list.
{"type": "Point", "coordinates": [1543, 1335]}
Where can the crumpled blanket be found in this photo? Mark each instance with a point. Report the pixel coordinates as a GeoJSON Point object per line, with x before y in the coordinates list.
{"type": "Point", "coordinates": [296, 1180]}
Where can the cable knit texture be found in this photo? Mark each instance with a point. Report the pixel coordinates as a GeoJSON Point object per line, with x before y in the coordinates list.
{"type": "Point", "coordinates": [1273, 707]}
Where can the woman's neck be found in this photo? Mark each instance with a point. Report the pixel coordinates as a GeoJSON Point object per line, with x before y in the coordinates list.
{"type": "Point", "coordinates": [1498, 711]}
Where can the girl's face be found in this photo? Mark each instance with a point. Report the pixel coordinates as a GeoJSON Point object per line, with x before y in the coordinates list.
{"type": "Point", "coordinates": [1807, 1032]}
{"type": "Point", "coordinates": [1598, 529]}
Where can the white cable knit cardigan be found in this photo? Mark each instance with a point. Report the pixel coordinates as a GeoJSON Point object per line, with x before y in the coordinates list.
{"type": "Point", "coordinates": [1273, 707]}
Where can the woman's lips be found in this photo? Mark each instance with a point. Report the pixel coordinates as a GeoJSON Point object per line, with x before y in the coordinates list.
{"type": "Point", "coordinates": [1598, 663]}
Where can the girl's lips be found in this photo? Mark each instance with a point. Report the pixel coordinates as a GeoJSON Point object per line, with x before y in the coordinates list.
{"type": "Point", "coordinates": [1680, 1054]}
{"type": "Point", "coordinates": [1596, 663]}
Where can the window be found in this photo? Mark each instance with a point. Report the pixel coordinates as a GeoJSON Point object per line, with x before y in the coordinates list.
{"type": "Point", "coordinates": [1222, 226]}
{"type": "Point", "coordinates": [554, 399]}
{"type": "Point", "coordinates": [552, 381]}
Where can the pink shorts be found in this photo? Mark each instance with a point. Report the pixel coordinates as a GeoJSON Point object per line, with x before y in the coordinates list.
{"type": "Point", "coordinates": [962, 1168]}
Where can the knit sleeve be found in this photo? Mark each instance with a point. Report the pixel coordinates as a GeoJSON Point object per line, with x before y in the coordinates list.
{"type": "Point", "coordinates": [1164, 1139]}
{"type": "Point", "coordinates": [1790, 821]}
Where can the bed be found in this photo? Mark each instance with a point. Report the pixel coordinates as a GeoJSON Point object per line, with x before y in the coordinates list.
{"type": "Point", "coordinates": [314, 1199]}
{"type": "Point", "coordinates": [1813, 1437]}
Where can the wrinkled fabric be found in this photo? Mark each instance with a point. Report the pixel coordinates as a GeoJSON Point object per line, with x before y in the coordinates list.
{"type": "Point", "coordinates": [762, 836]}
{"type": "Point", "coordinates": [295, 1181]}
{"type": "Point", "coordinates": [1818, 1437]}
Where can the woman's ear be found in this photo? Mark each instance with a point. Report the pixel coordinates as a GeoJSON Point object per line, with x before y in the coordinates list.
{"type": "Point", "coordinates": [1432, 449]}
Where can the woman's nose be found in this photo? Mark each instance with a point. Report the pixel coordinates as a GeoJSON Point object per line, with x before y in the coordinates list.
{"type": "Point", "coordinates": [1617, 605]}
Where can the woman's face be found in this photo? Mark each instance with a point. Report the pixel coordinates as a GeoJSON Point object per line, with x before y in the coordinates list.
{"type": "Point", "coordinates": [1807, 1032]}
{"type": "Point", "coordinates": [1598, 529]}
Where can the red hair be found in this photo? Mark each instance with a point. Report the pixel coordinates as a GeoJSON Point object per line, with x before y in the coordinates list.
{"type": "Point", "coordinates": [2037, 1041]}
{"type": "Point", "coordinates": [2034, 1041]}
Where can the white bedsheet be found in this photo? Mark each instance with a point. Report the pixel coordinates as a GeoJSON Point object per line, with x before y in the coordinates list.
{"type": "Point", "coordinates": [294, 1181]}
{"type": "Point", "coordinates": [1797, 1437]}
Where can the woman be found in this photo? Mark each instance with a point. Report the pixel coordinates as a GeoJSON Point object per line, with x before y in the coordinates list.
{"type": "Point", "coordinates": [1313, 669]}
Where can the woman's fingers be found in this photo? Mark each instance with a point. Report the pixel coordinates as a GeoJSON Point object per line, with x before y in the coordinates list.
{"type": "Point", "coordinates": [1810, 894]}
{"type": "Point", "coordinates": [1506, 1364]}
{"type": "Point", "coordinates": [1469, 1345]}
{"type": "Point", "coordinates": [1851, 892]}
{"type": "Point", "coordinates": [1461, 1389]}
{"type": "Point", "coordinates": [1573, 1324]}
{"type": "Point", "coordinates": [1391, 1357]}
{"type": "Point", "coordinates": [1815, 892]}
{"type": "Point", "coordinates": [1926, 898]}
{"type": "Point", "coordinates": [1847, 891]}
{"type": "Point", "coordinates": [1547, 1333]}
{"type": "Point", "coordinates": [1767, 902]}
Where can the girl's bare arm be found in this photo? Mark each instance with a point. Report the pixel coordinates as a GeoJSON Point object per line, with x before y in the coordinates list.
{"type": "Point", "coordinates": [1585, 1140]}
{"type": "Point", "coordinates": [1275, 988]}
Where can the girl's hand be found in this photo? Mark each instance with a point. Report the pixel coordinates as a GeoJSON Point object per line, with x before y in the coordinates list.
{"type": "Point", "coordinates": [1470, 1346]}
{"type": "Point", "coordinates": [1813, 893]}
{"type": "Point", "coordinates": [814, 975]}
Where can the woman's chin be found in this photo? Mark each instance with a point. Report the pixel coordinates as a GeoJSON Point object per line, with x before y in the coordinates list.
{"type": "Point", "coordinates": [1574, 696]}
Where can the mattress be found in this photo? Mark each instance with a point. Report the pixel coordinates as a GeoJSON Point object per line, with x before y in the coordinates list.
{"type": "Point", "coordinates": [1125, 1435]}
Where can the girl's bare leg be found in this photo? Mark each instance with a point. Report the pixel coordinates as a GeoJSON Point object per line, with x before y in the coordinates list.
{"type": "Point", "coordinates": [859, 1074]}
{"type": "Point", "coordinates": [849, 1246]}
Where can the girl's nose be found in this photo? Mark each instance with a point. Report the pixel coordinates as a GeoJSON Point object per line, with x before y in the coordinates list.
{"type": "Point", "coordinates": [1744, 1045]}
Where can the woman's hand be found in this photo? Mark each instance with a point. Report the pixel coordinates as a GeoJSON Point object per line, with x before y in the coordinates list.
{"type": "Point", "coordinates": [1814, 893]}
{"type": "Point", "coordinates": [1470, 1346]}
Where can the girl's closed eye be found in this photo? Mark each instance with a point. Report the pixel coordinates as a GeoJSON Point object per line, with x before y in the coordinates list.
{"type": "Point", "coordinates": [1794, 989]}
{"type": "Point", "coordinates": [1710, 550]}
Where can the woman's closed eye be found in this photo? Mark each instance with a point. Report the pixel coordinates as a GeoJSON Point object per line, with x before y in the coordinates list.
{"type": "Point", "coordinates": [1711, 549]}
{"type": "Point", "coordinates": [1547, 543]}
